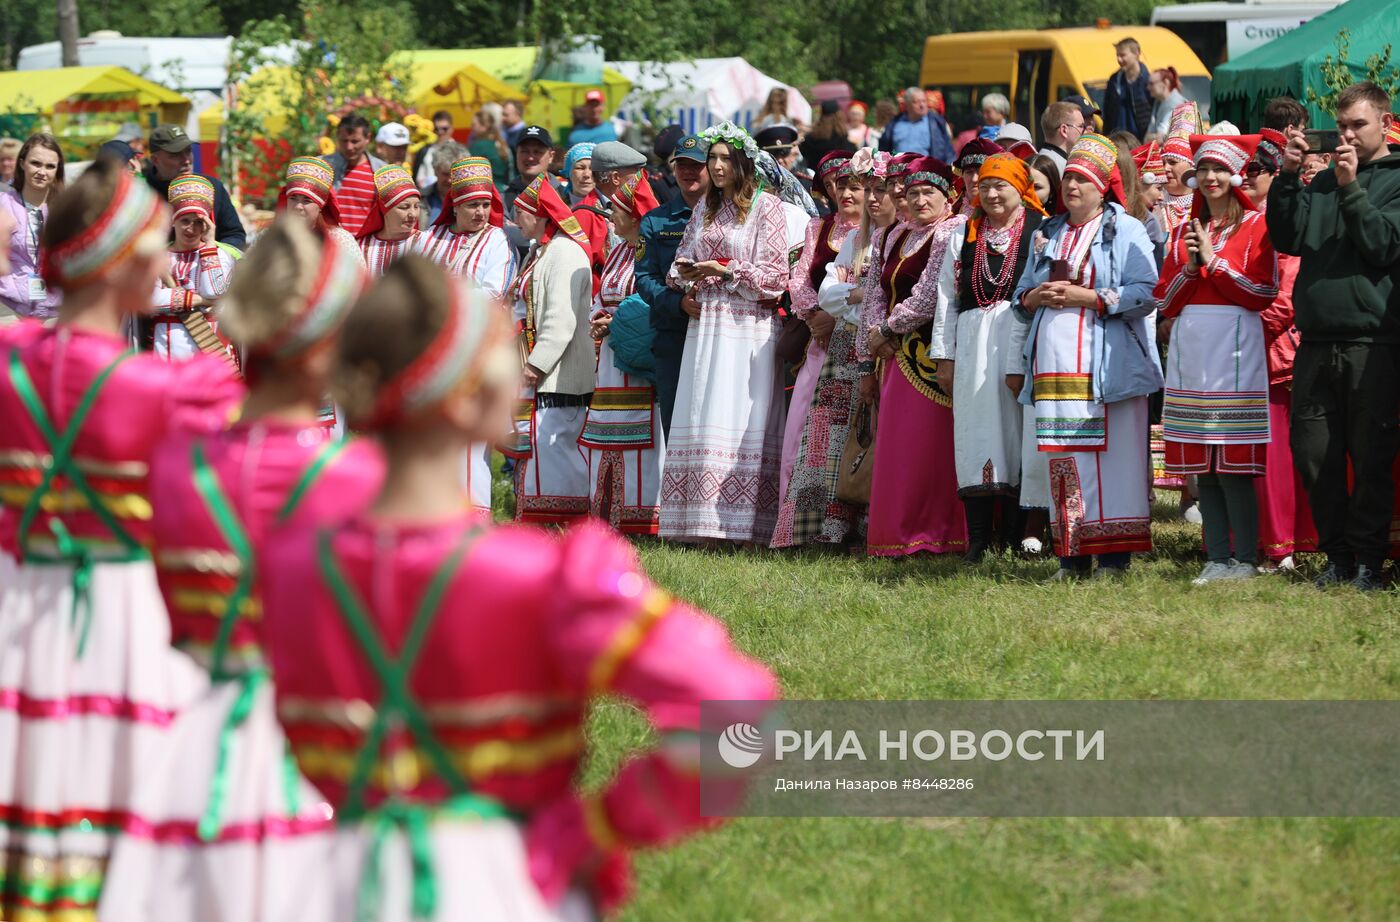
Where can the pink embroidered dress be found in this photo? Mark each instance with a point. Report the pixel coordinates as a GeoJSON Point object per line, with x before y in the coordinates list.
{"type": "Point", "coordinates": [443, 711]}
{"type": "Point", "coordinates": [622, 431]}
{"type": "Point", "coordinates": [88, 683]}
{"type": "Point", "coordinates": [725, 444]}
{"type": "Point", "coordinates": [206, 272]}
{"type": "Point", "coordinates": [824, 398]}
{"type": "Point", "coordinates": [914, 505]}
{"type": "Point", "coordinates": [222, 828]}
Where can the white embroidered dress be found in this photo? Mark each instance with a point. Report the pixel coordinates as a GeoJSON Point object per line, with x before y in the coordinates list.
{"type": "Point", "coordinates": [721, 476]}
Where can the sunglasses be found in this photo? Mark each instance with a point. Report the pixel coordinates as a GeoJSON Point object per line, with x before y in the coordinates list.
{"type": "Point", "coordinates": [443, 129]}
{"type": "Point", "coordinates": [1254, 169]}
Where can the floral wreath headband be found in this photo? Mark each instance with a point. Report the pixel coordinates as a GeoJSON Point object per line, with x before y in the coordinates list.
{"type": "Point", "coordinates": [734, 136]}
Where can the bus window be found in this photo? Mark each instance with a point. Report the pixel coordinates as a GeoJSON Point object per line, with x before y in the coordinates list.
{"type": "Point", "coordinates": [962, 103]}
{"type": "Point", "coordinates": [1032, 88]}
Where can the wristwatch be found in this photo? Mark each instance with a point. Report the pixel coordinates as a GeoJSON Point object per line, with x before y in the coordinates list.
{"type": "Point", "coordinates": [727, 275]}
{"type": "Point", "coordinates": [886, 332]}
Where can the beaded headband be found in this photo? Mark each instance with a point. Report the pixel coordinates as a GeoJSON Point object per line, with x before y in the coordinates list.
{"type": "Point", "coordinates": [311, 177]}
{"type": "Point", "coordinates": [471, 179]}
{"type": "Point", "coordinates": [340, 279]}
{"type": "Point", "coordinates": [443, 365]}
{"type": "Point", "coordinates": [924, 178]}
{"type": "Point", "coordinates": [192, 194]}
{"type": "Point", "coordinates": [393, 184]}
{"type": "Point", "coordinates": [134, 218]}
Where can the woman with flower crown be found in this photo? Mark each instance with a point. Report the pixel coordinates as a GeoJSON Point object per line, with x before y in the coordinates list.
{"type": "Point", "coordinates": [91, 684]}
{"type": "Point", "coordinates": [721, 473]}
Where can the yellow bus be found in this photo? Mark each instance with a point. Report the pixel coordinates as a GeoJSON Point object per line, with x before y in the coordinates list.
{"type": "Point", "coordinates": [1035, 68]}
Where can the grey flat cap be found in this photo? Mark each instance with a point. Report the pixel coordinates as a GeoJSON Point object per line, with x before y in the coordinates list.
{"type": "Point", "coordinates": [614, 155]}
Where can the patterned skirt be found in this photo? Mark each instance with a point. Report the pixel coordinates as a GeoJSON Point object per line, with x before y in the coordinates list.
{"type": "Point", "coordinates": [79, 730]}
{"type": "Point", "coordinates": [810, 510]}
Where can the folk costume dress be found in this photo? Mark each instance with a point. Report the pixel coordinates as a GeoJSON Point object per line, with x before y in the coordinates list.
{"type": "Point", "coordinates": [205, 271]}
{"type": "Point", "coordinates": [976, 328]}
{"type": "Point", "coordinates": [487, 258]}
{"type": "Point", "coordinates": [555, 288]}
{"type": "Point", "coordinates": [914, 505]}
{"type": "Point", "coordinates": [822, 237]}
{"type": "Point", "coordinates": [623, 435]}
{"type": "Point", "coordinates": [1215, 414]}
{"type": "Point", "coordinates": [725, 447]}
{"type": "Point", "coordinates": [223, 828]}
{"type": "Point", "coordinates": [451, 765]}
{"type": "Point", "coordinates": [392, 186]}
{"type": "Point", "coordinates": [824, 397]}
{"type": "Point", "coordinates": [314, 179]}
{"type": "Point", "coordinates": [88, 683]}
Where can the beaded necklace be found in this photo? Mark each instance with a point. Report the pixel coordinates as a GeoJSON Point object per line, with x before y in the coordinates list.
{"type": "Point", "coordinates": [1001, 283]}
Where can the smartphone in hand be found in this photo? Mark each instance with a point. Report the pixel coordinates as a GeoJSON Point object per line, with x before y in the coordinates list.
{"type": "Point", "coordinates": [1059, 270]}
{"type": "Point", "coordinates": [1322, 140]}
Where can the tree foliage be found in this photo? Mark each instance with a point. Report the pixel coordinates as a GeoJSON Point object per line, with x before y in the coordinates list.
{"type": "Point", "coordinates": [1340, 72]}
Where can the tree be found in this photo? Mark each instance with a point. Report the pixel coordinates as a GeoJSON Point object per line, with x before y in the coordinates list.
{"type": "Point", "coordinates": [337, 51]}
{"type": "Point", "coordinates": [67, 11]}
{"type": "Point", "coordinates": [1340, 72]}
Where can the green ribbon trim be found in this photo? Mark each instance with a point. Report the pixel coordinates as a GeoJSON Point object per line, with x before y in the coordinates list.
{"type": "Point", "coordinates": [60, 463]}
{"type": "Point", "coordinates": [398, 704]}
{"type": "Point", "coordinates": [329, 452]}
{"type": "Point", "coordinates": [415, 821]}
{"type": "Point", "coordinates": [78, 893]}
{"type": "Point", "coordinates": [221, 510]}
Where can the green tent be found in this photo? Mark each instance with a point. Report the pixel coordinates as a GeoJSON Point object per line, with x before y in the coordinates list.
{"type": "Point", "coordinates": [1291, 63]}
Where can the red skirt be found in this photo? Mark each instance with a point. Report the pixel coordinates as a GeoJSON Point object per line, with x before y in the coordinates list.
{"type": "Point", "coordinates": [1285, 520]}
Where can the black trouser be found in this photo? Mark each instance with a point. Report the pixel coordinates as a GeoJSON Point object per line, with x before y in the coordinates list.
{"type": "Point", "coordinates": [668, 373]}
{"type": "Point", "coordinates": [1346, 407]}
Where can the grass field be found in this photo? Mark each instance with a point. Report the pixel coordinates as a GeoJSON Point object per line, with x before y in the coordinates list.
{"type": "Point", "coordinates": [839, 627]}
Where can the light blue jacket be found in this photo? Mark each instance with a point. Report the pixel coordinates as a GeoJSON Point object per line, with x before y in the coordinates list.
{"type": "Point", "coordinates": [1126, 363]}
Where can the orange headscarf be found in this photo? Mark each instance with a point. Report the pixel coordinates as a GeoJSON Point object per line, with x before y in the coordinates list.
{"type": "Point", "coordinates": [1009, 169]}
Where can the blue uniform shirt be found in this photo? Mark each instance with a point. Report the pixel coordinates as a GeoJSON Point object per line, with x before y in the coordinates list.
{"type": "Point", "coordinates": [661, 233]}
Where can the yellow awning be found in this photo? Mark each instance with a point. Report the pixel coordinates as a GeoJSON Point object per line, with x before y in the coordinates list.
{"type": "Point", "coordinates": [43, 91]}
{"type": "Point", "coordinates": [265, 93]}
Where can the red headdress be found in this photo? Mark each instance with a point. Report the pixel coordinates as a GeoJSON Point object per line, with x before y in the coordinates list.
{"type": "Point", "coordinates": [392, 185]}
{"type": "Point", "coordinates": [541, 199]}
{"type": "Point", "coordinates": [1230, 151]}
{"type": "Point", "coordinates": [471, 178]}
{"type": "Point", "coordinates": [635, 197]}
{"type": "Point", "coordinates": [313, 178]}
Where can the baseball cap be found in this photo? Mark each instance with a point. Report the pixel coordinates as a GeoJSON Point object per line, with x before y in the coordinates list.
{"type": "Point", "coordinates": [1086, 106]}
{"type": "Point", "coordinates": [593, 96]}
{"type": "Point", "coordinates": [537, 134]}
{"type": "Point", "coordinates": [392, 134]}
{"type": "Point", "coordinates": [691, 147]}
{"type": "Point", "coordinates": [171, 138]}
{"type": "Point", "coordinates": [116, 149]}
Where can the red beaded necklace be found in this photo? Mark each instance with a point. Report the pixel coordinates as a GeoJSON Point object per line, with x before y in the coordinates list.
{"type": "Point", "coordinates": [1002, 282]}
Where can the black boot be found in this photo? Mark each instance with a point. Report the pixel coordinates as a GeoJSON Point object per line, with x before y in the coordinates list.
{"type": "Point", "coordinates": [981, 526]}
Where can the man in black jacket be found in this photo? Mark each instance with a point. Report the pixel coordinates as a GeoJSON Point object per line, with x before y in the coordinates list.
{"type": "Point", "coordinates": [171, 156]}
{"type": "Point", "coordinates": [1345, 227]}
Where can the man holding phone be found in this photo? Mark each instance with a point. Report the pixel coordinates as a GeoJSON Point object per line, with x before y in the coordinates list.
{"type": "Point", "coordinates": [1345, 226]}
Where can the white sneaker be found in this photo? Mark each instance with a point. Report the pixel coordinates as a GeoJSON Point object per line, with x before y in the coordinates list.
{"type": "Point", "coordinates": [1193, 514]}
{"type": "Point", "coordinates": [1213, 571]}
{"type": "Point", "coordinates": [1288, 564]}
{"type": "Point", "coordinates": [1240, 571]}
{"type": "Point", "coordinates": [1031, 546]}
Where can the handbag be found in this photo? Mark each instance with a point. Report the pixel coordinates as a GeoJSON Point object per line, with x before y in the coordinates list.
{"type": "Point", "coordinates": [792, 341]}
{"type": "Point", "coordinates": [858, 458]}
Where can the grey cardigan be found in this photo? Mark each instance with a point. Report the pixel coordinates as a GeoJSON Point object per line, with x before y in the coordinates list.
{"type": "Point", "coordinates": [338, 164]}
{"type": "Point", "coordinates": [562, 289]}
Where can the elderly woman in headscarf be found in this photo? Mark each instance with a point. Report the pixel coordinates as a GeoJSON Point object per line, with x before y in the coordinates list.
{"type": "Point", "coordinates": [976, 345]}
{"type": "Point", "coordinates": [913, 498]}
{"type": "Point", "coordinates": [578, 170]}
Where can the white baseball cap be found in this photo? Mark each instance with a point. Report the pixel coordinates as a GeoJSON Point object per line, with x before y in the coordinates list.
{"type": "Point", "coordinates": [392, 134]}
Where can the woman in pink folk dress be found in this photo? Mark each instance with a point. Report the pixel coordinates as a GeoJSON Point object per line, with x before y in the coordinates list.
{"type": "Point", "coordinates": [623, 429]}
{"type": "Point", "coordinates": [820, 414]}
{"type": "Point", "coordinates": [391, 230]}
{"type": "Point", "coordinates": [914, 505]}
{"type": "Point", "coordinates": [442, 711]}
{"type": "Point", "coordinates": [200, 270]}
{"type": "Point", "coordinates": [88, 683]}
{"type": "Point", "coordinates": [222, 830]}
{"type": "Point", "coordinates": [725, 444]}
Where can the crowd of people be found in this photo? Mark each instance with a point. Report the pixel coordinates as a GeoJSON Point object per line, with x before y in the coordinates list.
{"type": "Point", "coordinates": [895, 342]}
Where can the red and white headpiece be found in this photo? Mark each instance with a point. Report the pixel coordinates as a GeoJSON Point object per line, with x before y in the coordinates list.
{"type": "Point", "coordinates": [134, 221]}
{"type": "Point", "coordinates": [1233, 152]}
{"type": "Point", "coordinates": [192, 194]}
{"type": "Point", "coordinates": [340, 280]}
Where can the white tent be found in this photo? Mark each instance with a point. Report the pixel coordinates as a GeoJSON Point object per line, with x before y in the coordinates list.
{"type": "Point", "coordinates": [700, 93]}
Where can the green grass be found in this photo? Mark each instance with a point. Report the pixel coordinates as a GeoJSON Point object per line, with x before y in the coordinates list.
{"type": "Point", "coordinates": [839, 627]}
